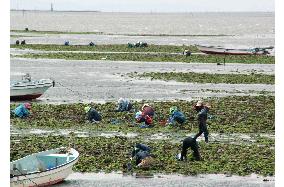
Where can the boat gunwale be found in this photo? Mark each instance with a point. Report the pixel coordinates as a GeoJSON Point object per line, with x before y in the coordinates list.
{"type": "Point", "coordinates": [47, 170]}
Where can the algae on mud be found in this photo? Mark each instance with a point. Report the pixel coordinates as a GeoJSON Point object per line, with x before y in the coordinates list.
{"type": "Point", "coordinates": [235, 114]}
{"type": "Point", "coordinates": [209, 78]}
{"type": "Point", "coordinates": [109, 154]}
{"type": "Point", "coordinates": [245, 59]}
{"type": "Point", "coordinates": [110, 47]}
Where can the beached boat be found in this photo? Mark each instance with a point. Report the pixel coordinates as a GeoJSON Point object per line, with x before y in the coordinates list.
{"type": "Point", "coordinates": [27, 89]}
{"type": "Point", "coordinates": [43, 168]}
{"type": "Point", "coordinates": [224, 51]}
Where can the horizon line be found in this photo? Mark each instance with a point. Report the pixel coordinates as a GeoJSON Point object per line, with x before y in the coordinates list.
{"type": "Point", "coordinates": [47, 10]}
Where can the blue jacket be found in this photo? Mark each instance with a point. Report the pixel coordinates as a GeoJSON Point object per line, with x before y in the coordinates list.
{"type": "Point", "coordinates": [177, 116]}
{"type": "Point", "coordinates": [21, 111]}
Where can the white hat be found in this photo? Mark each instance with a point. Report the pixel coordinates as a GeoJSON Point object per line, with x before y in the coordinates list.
{"type": "Point", "coordinates": [199, 103]}
{"type": "Point", "coordinates": [145, 105]}
{"type": "Point", "coordinates": [208, 105]}
{"type": "Point", "coordinates": [120, 100]}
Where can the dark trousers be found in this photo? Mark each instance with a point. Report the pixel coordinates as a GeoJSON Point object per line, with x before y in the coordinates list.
{"type": "Point", "coordinates": [202, 129]}
{"type": "Point", "coordinates": [190, 142]}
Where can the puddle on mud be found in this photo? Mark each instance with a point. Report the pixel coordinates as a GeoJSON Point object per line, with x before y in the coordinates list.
{"type": "Point", "coordinates": [174, 137]}
{"type": "Point", "coordinates": [120, 179]}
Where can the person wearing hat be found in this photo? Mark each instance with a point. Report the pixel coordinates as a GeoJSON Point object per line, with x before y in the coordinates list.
{"type": "Point", "coordinates": [189, 142]}
{"type": "Point", "coordinates": [176, 116]}
{"type": "Point", "coordinates": [202, 118]}
{"type": "Point", "coordinates": [92, 114]}
{"type": "Point", "coordinates": [123, 105]}
{"type": "Point", "coordinates": [198, 106]}
{"type": "Point", "coordinates": [146, 115]}
{"type": "Point", "coordinates": [22, 110]}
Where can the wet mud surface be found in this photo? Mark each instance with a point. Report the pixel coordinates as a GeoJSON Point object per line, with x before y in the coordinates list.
{"type": "Point", "coordinates": [115, 179]}
{"type": "Point", "coordinates": [175, 137]}
{"type": "Point", "coordinates": [85, 81]}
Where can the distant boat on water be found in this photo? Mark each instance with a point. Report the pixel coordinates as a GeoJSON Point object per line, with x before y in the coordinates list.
{"type": "Point", "coordinates": [228, 51]}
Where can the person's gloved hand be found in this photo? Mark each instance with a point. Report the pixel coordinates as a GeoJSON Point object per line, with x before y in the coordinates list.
{"type": "Point", "coordinates": [211, 117]}
{"type": "Point", "coordinates": [148, 119]}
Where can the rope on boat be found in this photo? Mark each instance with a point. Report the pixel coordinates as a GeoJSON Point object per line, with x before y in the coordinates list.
{"type": "Point", "coordinates": [73, 91]}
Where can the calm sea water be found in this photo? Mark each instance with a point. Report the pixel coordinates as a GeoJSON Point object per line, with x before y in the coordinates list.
{"type": "Point", "coordinates": [148, 23]}
{"type": "Point", "coordinates": [245, 29]}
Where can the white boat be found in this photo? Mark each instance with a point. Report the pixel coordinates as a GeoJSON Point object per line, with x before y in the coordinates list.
{"type": "Point", "coordinates": [27, 89]}
{"type": "Point", "coordinates": [224, 51]}
{"type": "Point", "coordinates": [43, 168]}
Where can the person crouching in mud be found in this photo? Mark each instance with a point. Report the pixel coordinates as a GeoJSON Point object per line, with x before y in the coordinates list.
{"type": "Point", "coordinates": [22, 110]}
{"type": "Point", "coordinates": [146, 116]}
{"type": "Point", "coordinates": [123, 105]}
{"type": "Point", "coordinates": [141, 153]}
{"type": "Point", "coordinates": [92, 114]}
{"type": "Point", "coordinates": [202, 119]}
{"type": "Point", "coordinates": [189, 142]}
{"type": "Point", "coordinates": [176, 116]}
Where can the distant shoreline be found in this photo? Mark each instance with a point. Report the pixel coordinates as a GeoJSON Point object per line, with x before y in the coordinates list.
{"type": "Point", "coordinates": [151, 12]}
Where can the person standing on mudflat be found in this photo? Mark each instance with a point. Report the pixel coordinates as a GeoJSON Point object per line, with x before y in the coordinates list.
{"type": "Point", "coordinates": [202, 118]}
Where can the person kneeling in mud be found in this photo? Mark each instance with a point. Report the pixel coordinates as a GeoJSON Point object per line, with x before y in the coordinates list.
{"type": "Point", "coordinates": [123, 105]}
{"type": "Point", "coordinates": [146, 116]}
{"type": "Point", "coordinates": [189, 142]}
{"type": "Point", "coordinates": [22, 110]}
{"type": "Point", "coordinates": [92, 114]}
{"type": "Point", "coordinates": [176, 116]}
{"type": "Point", "coordinates": [141, 153]}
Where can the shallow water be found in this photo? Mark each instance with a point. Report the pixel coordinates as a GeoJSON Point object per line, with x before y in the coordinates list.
{"type": "Point", "coordinates": [99, 81]}
{"type": "Point", "coordinates": [233, 138]}
{"type": "Point", "coordinates": [256, 30]}
{"type": "Point", "coordinates": [117, 179]}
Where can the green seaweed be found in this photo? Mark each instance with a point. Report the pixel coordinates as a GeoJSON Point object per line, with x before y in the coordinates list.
{"type": "Point", "coordinates": [209, 78]}
{"type": "Point", "coordinates": [245, 59]}
{"type": "Point", "coordinates": [109, 48]}
{"type": "Point", "coordinates": [109, 154]}
{"type": "Point", "coordinates": [235, 114]}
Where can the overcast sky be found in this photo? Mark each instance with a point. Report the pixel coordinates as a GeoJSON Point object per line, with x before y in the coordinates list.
{"type": "Point", "coordinates": [147, 5]}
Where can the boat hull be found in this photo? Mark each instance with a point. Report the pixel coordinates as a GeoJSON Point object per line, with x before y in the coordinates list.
{"type": "Point", "coordinates": [224, 51]}
{"type": "Point", "coordinates": [27, 93]}
{"type": "Point", "coordinates": [44, 178]}
{"type": "Point", "coordinates": [55, 167]}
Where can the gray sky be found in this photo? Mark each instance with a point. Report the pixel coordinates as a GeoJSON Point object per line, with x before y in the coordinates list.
{"type": "Point", "coordinates": [147, 5]}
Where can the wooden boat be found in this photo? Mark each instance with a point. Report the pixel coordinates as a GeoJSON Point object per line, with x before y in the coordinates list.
{"type": "Point", "coordinates": [226, 51]}
{"type": "Point", "coordinates": [43, 168]}
{"type": "Point", "coordinates": [27, 89]}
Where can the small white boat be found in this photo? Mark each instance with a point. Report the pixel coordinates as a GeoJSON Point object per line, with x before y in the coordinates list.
{"type": "Point", "coordinates": [43, 168]}
{"type": "Point", "coordinates": [27, 89]}
{"type": "Point", "coordinates": [224, 51]}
